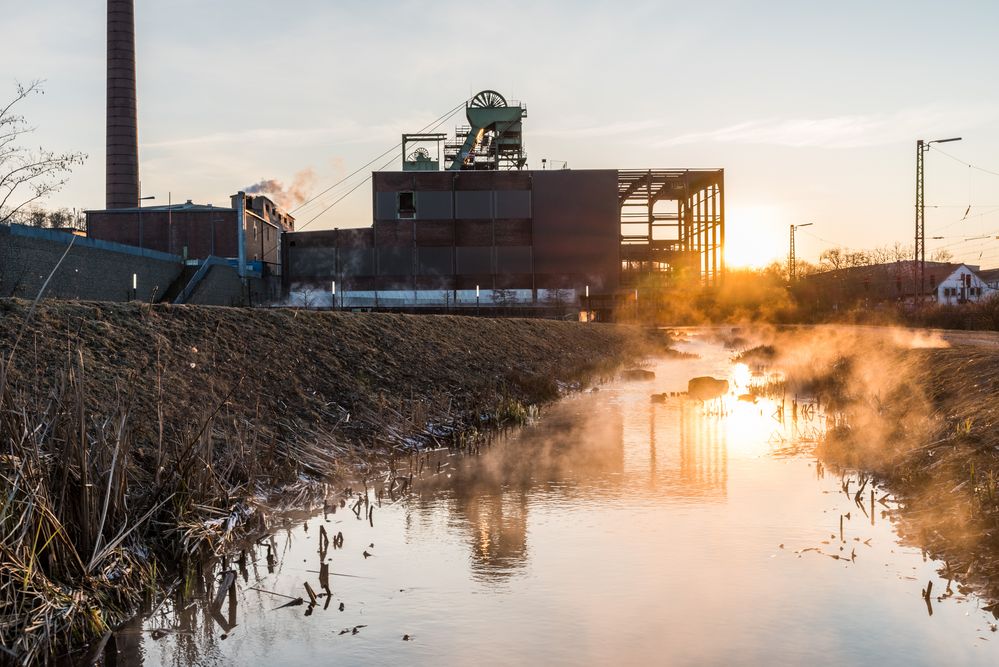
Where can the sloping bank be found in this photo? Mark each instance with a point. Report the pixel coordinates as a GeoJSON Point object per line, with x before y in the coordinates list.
{"type": "Point", "coordinates": [125, 426]}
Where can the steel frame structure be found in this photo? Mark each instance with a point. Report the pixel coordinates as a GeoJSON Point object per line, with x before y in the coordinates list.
{"type": "Point", "coordinates": [685, 240]}
{"type": "Point", "coordinates": [919, 266]}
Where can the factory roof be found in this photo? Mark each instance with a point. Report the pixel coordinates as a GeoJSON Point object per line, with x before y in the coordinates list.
{"type": "Point", "coordinates": [186, 206]}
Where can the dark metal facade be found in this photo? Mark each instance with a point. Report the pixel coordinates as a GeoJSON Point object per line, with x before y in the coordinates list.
{"type": "Point", "coordinates": [523, 230]}
{"type": "Point", "coordinates": [122, 162]}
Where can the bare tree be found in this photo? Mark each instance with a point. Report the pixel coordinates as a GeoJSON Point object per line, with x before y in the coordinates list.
{"type": "Point", "coordinates": [832, 259]}
{"type": "Point", "coordinates": [27, 175]}
{"type": "Point", "coordinates": [901, 252]}
{"type": "Point", "coordinates": [61, 218]}
{"type": "Point", "coordinates": [941, 255]}
{"type": "Point", "coordinates": [880, 255]}
{"type": "Point", "coordinates": [853, 258]}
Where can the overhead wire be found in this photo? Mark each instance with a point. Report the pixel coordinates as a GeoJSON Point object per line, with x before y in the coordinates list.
{"type": "Point", "coordinates": [437, 122]}
{"type": "Point", "coordinates": [344, 195]}
{"type": "Point", "coordinates": [440, 120]}
{"type": "Point", "coordinates": [433, 125]}
{"type": "Point", "coordinates": [966, 164]}
{"type": "Point", "coordinates": [430, 127]}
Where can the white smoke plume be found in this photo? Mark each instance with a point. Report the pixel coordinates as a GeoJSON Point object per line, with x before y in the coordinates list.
{"type": "Point", "coordinates": [288, 197]}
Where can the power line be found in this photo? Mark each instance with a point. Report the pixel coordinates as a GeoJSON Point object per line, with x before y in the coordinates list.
{"type": "Point", "coordinates": [433, 125]}
{"type": "Point", "coordinates": [344, 195]}
{"type": "Point", "coordinates": [439, 121]}
{"type": "Point", "coordinates": [816, 236]}
{"type": "Point", "coordinates": [966, 164]}
{"type": "Point", "coordinates": [973, 217]}
{"type": "Point", "coordinates": [427, 128]}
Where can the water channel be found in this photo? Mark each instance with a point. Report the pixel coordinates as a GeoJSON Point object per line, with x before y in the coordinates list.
{"type": "Point", "coordinates": [615, 530]}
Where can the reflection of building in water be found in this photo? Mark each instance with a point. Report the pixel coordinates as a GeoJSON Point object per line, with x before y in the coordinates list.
{"type": "Point", "coordinates": [703, 451]}
{"type": "Point", "coordinates": [498, 532]}
{"type": "Point", "coordinates": [572, 453]}
{"type": "Point", "coordinates": [687, 449]}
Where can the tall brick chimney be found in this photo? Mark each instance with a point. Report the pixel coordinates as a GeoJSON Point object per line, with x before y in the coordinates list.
{"type": "Point", "coordinates": [122, 161]}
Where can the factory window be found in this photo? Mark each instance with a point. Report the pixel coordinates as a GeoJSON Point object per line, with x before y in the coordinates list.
{"type": "Point", "coordinates": [407, 205]}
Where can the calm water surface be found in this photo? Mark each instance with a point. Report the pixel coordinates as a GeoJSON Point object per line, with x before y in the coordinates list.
{"type": "Point", "coordinates": [615, 531]}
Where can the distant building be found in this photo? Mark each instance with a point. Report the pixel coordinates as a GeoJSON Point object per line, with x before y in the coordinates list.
{"type": "Point", "coordinates": [859, 286]}
{"type": "Point", "coordinates": [963, 285]}
{"type": "Point", "coordinates": [248, 233]}
{"type": "Point", "coordinates": [991, 278]}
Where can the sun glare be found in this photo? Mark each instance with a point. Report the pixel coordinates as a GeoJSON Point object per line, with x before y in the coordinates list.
{"type": "Point", "coordinates": [753, 237]}
{"type": "Point", "coordinates": [741, 377]}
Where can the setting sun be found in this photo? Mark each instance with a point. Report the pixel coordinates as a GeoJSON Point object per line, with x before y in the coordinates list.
{"type": "Point", "coordinates": [755, 236]}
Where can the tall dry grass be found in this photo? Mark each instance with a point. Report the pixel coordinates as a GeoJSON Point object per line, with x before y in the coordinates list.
{"type": "Point", "coordinates": [88, 520]}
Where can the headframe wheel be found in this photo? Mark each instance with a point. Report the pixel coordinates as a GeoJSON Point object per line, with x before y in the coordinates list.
{"type": "Point", "coordinates": [489, 99]}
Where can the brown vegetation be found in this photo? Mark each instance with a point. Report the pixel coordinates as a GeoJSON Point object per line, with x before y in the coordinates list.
{"type": "Point", "coordinates": [136, 436]}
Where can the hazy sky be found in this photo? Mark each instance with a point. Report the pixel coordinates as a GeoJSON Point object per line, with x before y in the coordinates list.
{"type": "Point", "coordinates": [811, 108]}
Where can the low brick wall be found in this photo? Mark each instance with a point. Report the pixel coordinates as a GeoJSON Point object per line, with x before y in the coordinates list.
{"type": "Point", "coordinates": [93, 270]}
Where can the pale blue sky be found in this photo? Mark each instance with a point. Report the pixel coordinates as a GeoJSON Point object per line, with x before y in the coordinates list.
{"type": "Point", "coordinates": [812, 108]}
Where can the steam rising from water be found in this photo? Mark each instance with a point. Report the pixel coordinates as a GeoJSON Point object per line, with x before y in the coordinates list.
{"type": "Point", "coordinates": [910, 411]}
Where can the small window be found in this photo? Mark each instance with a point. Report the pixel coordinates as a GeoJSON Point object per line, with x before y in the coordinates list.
{"type": "Point", "coordinates": [407, 205]}
{"type": "Point", "coordinates": [933, 281]}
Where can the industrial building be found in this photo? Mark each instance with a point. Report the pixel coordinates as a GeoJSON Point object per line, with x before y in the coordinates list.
{"type": "Point", "coordinates": [463, 223]}
{"type": "Point", "coordinates": [477, 227]}
{"type": "Point", "coordinates": [243, 239]}
{"type": "Point", "coordinates": [248, 232]}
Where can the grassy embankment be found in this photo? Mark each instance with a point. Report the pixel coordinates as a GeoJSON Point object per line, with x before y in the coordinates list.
{"type": "Point", "coordinates": [921, 414]}
{"type": "Point", "coordinates": [135, 436]}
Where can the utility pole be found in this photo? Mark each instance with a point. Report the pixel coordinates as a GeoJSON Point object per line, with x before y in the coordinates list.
{"type": "Point", "coordinates": [919, 263]}
{"type": "Point", "coordinates": [791, 268]}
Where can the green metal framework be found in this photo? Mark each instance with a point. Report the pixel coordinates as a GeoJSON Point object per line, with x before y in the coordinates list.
{"type": "Point", "coordinates": [493, 138]}
{"type": "Point", "coordinates": [420, 159]}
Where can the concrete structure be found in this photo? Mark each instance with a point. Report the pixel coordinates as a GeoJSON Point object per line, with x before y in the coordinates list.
{"type": "Point", "coordinates": [122, 163]}
{"type": "Point", "coordinates": [963, 285]}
